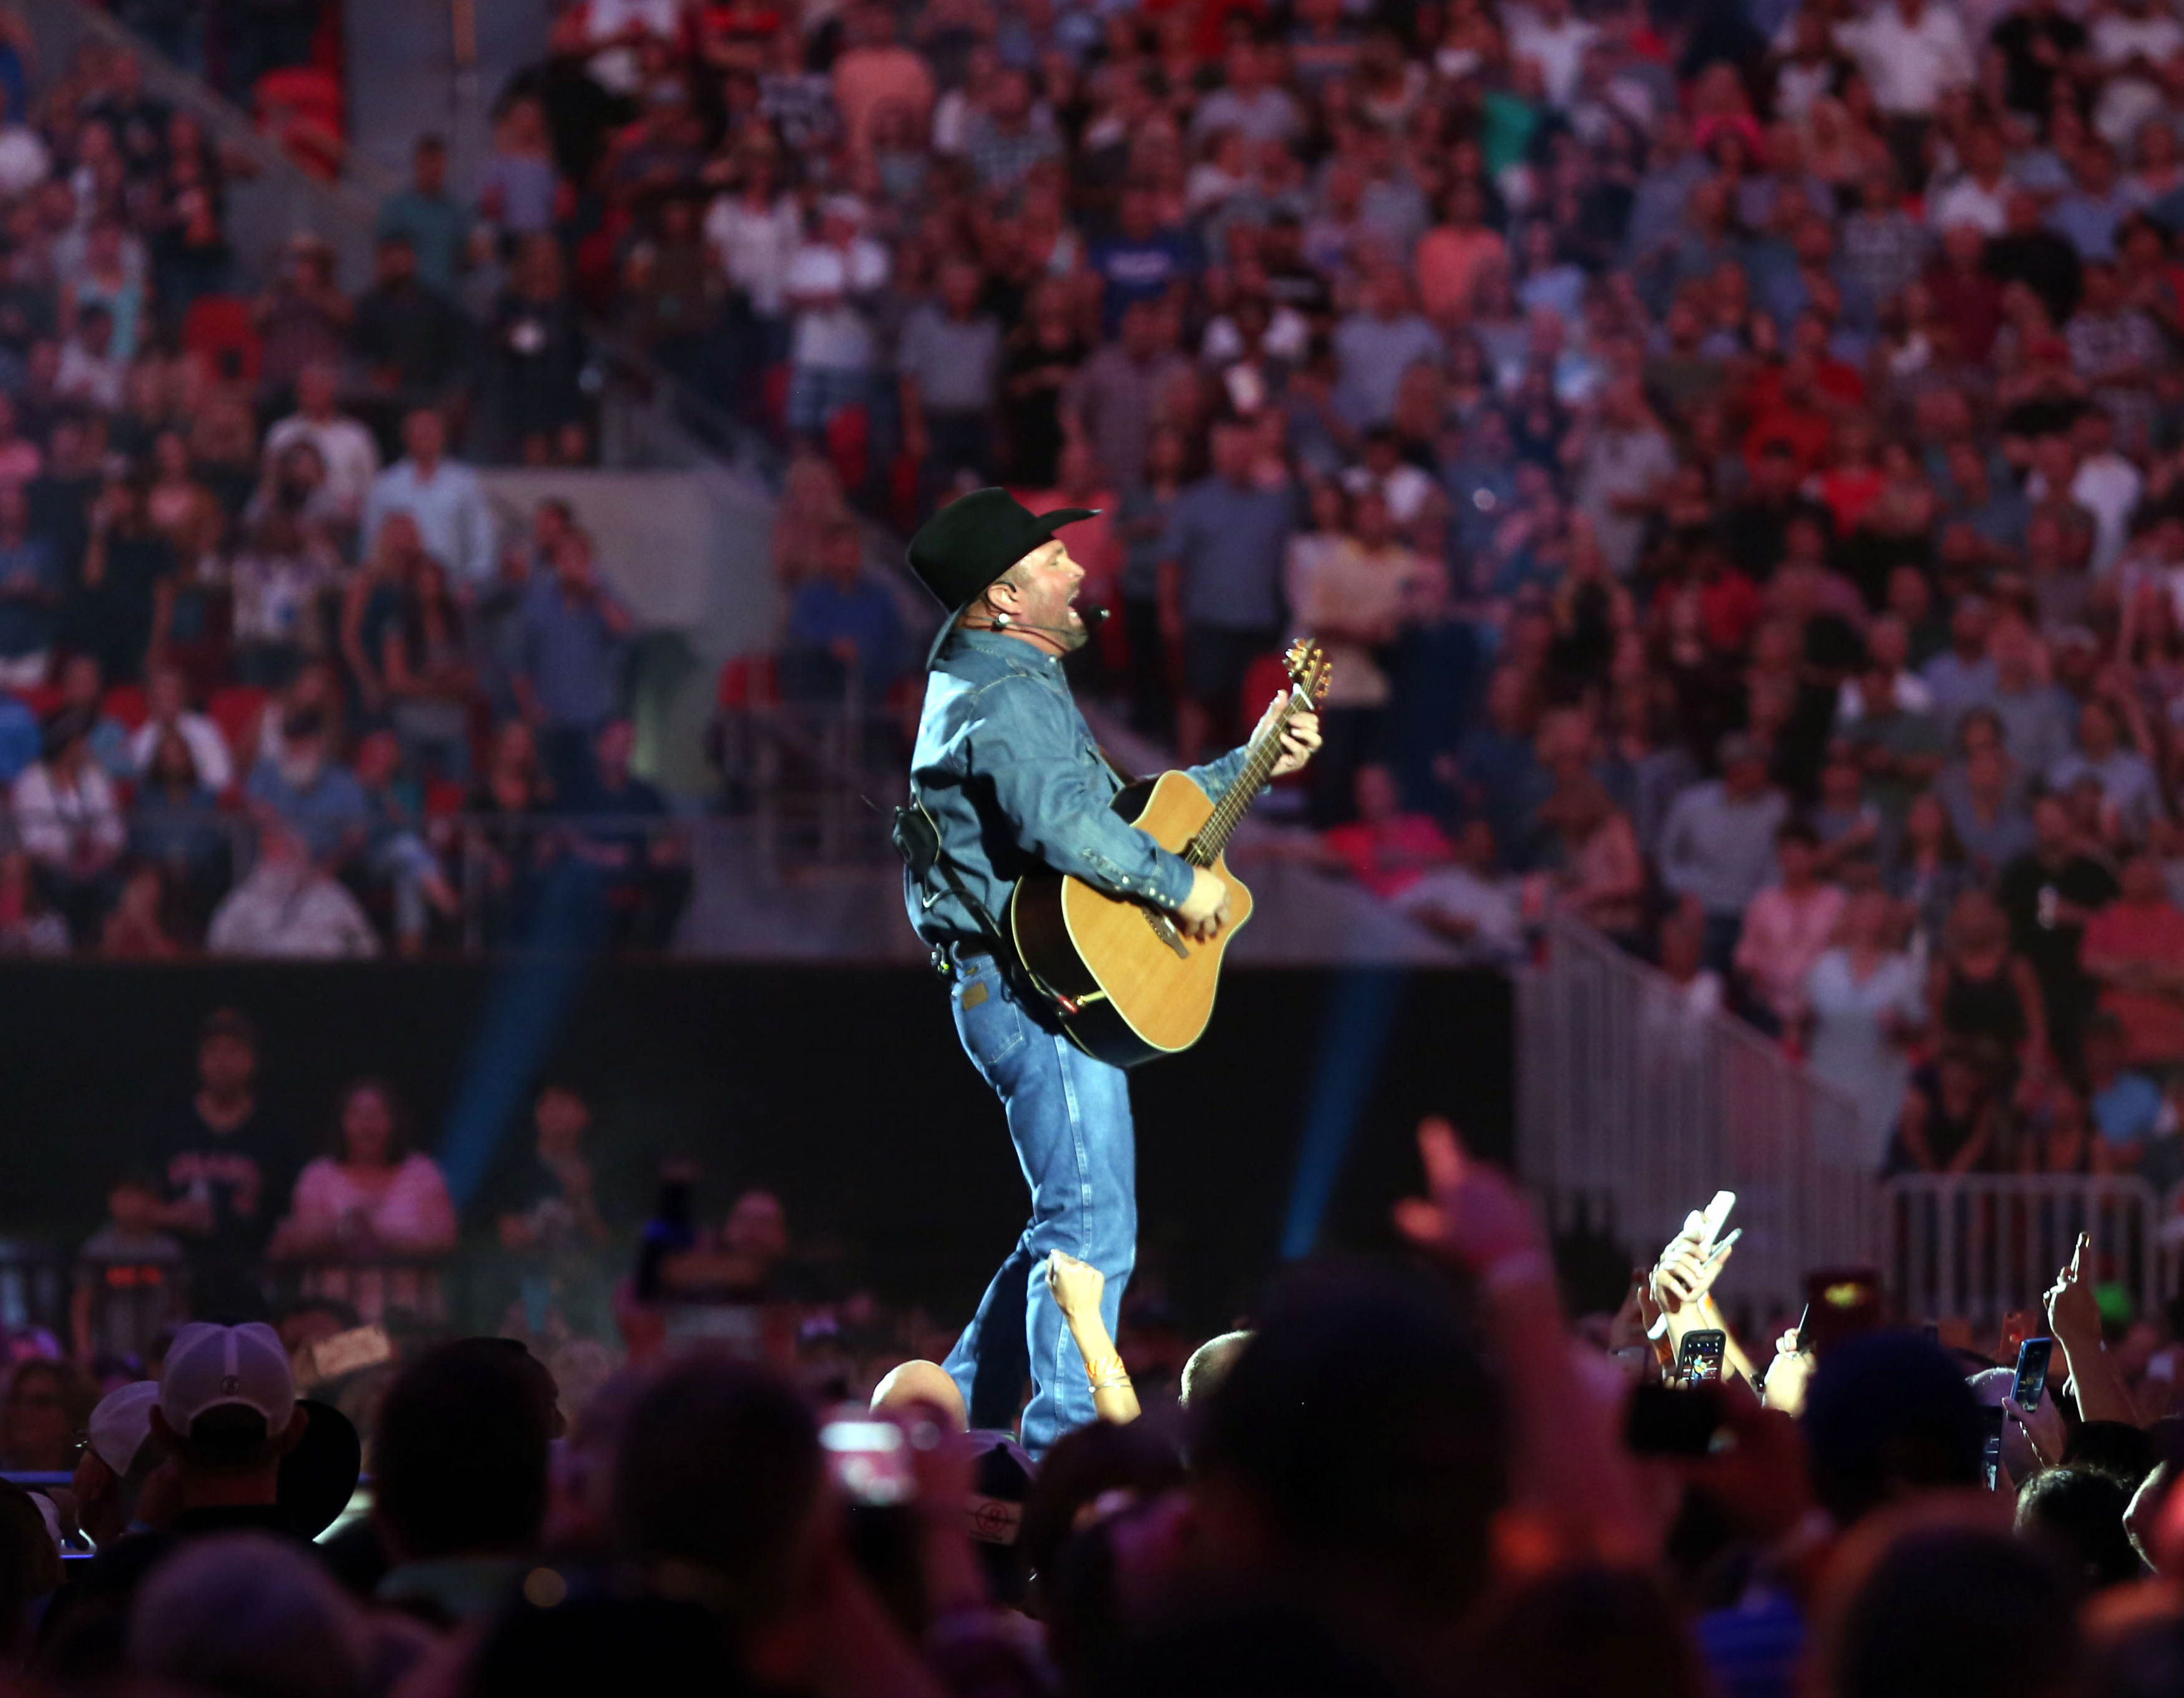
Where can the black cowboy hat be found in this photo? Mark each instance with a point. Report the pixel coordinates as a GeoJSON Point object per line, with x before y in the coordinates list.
{"type": "Point", "coordinates": [961, 549]}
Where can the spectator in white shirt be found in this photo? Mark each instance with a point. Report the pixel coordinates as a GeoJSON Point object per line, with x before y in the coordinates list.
{"type": "Point", "coordinates": [753, 231]}
{"type": "Point", "coordinates": [1913, 53]}
{"type": "Point", "coordinates": [832, 349]}
{"type": "Point", "coordinates": [91, 371]}
{"type": "Point", "coordinates": [345, 447]}
{"type": "Point", "coordinates": [444, 497]}
{"type": "Point", "coordinates": [2130, 46]}
{"type": "Point", "coordinates": [1545, 33]}
{"type": "Point", "coordinates": [167, 708]}
{"type": "Point", "coordinates": [1979, 195]}
{"type": "Point", "coordinates": [290, 906]}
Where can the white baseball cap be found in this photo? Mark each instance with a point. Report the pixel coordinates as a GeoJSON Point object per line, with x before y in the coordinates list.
{"type": "Point", "coordinates": [122, 1421]}
{"type": "Point", "coordinates": [214, 1367]}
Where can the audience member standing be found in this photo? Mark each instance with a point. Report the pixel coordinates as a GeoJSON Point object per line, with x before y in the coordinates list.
{"type": "Point", "coordinates": [575, 632]}
{"type": "Point", "coordinates": [221, 1159]}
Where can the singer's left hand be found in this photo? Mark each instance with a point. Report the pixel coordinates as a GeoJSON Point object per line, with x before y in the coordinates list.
{"type": "Point", "coordinates": [1299, 738]}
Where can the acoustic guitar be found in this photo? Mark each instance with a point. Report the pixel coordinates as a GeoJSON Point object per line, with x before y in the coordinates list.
{"type": "Point", "coordinates": [1128, 984]}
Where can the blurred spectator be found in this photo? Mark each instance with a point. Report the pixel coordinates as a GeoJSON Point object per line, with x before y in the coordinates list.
{"type": "Point", "coordinates": [405, 635]}
{"type": "Point", "coordinates": [315, 799]}
{"type": "Point", "coordinates": [30, 589]}
{"type": "Point", "coordinates": [304, 318]}
{"type": "Point", "coordinates": [280, 576]}
{"type": "Point", "coordinates": [453, 518]}
{"type": "Point", "coordinates": [627, 836]}
{"type": "Point", "coordinates": [128, 1277]}
{"type": "Point", "coordinates": [2134, 949]}
{"type": "Point", "coordinates": [410, 339]}
{"type": "Point", "coordinates": [289, 905]}
{"type": "Point", "coordinates": [1220, 589]}
{"type": "Point", "coordinates": [175, 826]}
{"type": "Point", "coordinates": [575, 629]}
{"type": "Point", "coordinates": [2048, 894]}
{"type": "Point", "coordinates": [948, 369]}
{"type": "Point", "coordinates": [1717, 844]}
{"type": "Point", "coordinates": [1980, 991]}
{"type": "Point", "coordinates": [45, 1406]}
{"type": "Point", "coordinates": [70, 824]}
{"type": "Point", "coordinates": [371, 1198]}
{"type": "Point", "coordinates": [531, 403]}
{"type": "Point", "coordinates": [844, 629]}
{"type": "Point", "coordinates": [832, 357]}
{"type": "Point", "coordinates": [167, 710]}
{"type": "Point", "coordinates": [346, 453]}
{"type": "Point", "coordinates": [434, 223]}
{"type": "Point", "coordinates": [1865, 1005]}
{"type": "Point", "coordinates": [874, 70]}
{"type": "Point", "coordinates": [1786, 928]}
{"type": "Point", "coordinates": [2126, 1105]}
{"type": "Point", "coordinates": [1119, 396]}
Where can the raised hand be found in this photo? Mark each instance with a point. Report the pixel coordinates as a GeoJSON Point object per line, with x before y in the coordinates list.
{"type": "Point", "coordinates": [1471, 1215]}
{"type": "Point", "coordinates": [2073, 1315]}
{"type": "Point", "coordinates": [1076, 1285]}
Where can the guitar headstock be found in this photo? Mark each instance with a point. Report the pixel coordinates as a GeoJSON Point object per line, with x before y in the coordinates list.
{"type": "Point", "coordinates": [1309, 669]}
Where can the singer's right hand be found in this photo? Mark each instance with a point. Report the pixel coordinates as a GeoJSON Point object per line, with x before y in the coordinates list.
{"type": "Point", "coordinates": [1204, 911]}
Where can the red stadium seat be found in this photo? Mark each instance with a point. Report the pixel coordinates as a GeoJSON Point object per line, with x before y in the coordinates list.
{"type": "Point", "coordinates": [747, 681]}
{"type": "Point", "coordinates": [126, 702]}
{"type": "Point", "coordinates": [236, 710]}
{"type": "Point", "coordinates": [218, 328]}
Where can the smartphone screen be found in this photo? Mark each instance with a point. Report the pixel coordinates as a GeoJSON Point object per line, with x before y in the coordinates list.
{"type": "Point", "coordinates": [1665, 1421]}
{"type": "Point", "coordinates": [2032, 1356]}
{"type": "Point", "coordinates": [870, 1460]}
{"type": "Point", "coordinates": [1698, 1362]}
{"type": "Point", "coordinates": [1991, 1456]}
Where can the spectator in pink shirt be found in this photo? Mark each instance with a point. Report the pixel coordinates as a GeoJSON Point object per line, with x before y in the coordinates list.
{"type": "Point", "coordinates": [1786, 927]}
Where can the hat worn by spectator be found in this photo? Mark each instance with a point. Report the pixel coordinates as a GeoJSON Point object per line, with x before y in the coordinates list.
{"type": "Point", "coordinates": [963, 548]}
{"type": "Point", "coordinates": [121, 1423]}
{"type": "Point", "coordinates": [216, 1367]}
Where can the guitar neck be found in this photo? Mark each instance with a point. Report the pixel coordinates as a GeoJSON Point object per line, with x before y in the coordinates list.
{"type": "Point", "coordinates": [1259, 759]}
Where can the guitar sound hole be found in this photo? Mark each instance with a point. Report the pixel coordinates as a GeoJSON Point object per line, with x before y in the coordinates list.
{"type": "Point", "coordinates": [1164, 929]}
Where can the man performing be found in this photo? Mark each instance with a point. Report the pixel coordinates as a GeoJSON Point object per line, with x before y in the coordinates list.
{"type": "Point", "coordinates": [1010, 775]}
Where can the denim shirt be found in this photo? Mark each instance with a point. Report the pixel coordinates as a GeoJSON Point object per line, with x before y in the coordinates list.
{"type": "Point", "coordinates": [1009, 771]}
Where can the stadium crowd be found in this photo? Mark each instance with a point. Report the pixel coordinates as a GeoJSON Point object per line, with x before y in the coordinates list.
{"type": "Point", "coordinates": [1406, 1476]}
{"type": "Point", "coordinates": [275, 677]}
{"type": "Point", "coordinates": [1731, 453]}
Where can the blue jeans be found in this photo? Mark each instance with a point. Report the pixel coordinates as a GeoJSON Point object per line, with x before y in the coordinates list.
{"type": "Point", "coordinates": [1069, 1117]}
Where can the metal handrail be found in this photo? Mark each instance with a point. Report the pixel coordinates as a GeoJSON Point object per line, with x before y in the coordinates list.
{"type": "Point", "coordinates": [1634, 1108]}
{"type": "Point", "coordinates": [1980, 1245]}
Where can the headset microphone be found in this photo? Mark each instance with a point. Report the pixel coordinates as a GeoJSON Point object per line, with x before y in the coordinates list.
{"type": "Point", "coordinates": [1094, 617]}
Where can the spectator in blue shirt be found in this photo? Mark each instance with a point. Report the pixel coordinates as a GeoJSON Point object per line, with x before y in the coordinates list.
{"type": "Point", "coordinates": [1220, 593]}
{"type": "Point", "coordinates": [574, 634]}
{"type": "Point", "coordinates": [30, 586]}
{"type": "Point", "coordinates": [1140, 262]}
{"type": "Point", "coordinates": [435, 223]}
{"type": "Point", "coordinates": [2127, 1106]}
{"type": "Point", "coordinates": [313, 794]}
{"type": "Point", "coordinates": [644, 862]}
{"type": "Point", "coordinates": [843, 624]}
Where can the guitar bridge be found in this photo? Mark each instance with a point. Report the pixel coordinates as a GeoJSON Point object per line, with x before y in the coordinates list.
{"type": "Point", "coordinates": [1164, 929]}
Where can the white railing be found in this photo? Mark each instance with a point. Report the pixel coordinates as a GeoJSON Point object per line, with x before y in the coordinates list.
{"type": "Point", "coordinates": [1634, 1107]}
{"type": "Point", "coordinates": [1979, 1245]}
